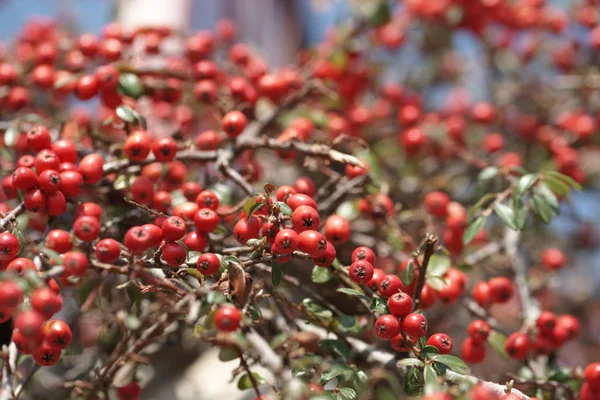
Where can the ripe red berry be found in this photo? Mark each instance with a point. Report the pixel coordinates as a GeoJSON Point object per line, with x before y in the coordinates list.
{"type": "Point", "coordinates": [546, 322]}
{"type": "Point", "coordinates": [86, 87]}
{"type": "Point", "coordinates": [233, 123]}
{"type": "Point", "coordinates": [592, 376]}
{"type": "Point", "coordinates": [75, 263]}
{"type": "Point", "coordinates": [286, 241]}
{"type": "Point", "coordinates": [312, 242]}
{"type": "Point", "coordinates": [46, 302]}
{"type": "Point", "coordinates": [24, 179]}
{"type": "Point", "coordinates": [387, 327]}
{"type": "Point", "coordinates": [70, 183]}
{"type": "Point", "coordinates": [517, 345]}
{"type": "Point", "coordinates": [209, 140]}
{"type": "Point", "coordinates": [440, 341]}
{"type": "Point", "coordinates": [337, 229]}
{"type": "Point", "coordinates": [11, 294]}
{"type": "Point", "coordinates": [361, 271]}
{"type": "Point", "coordinates": [29, 323]}
{"type": "Point", "coordinates": [46, 159]}
{"type": "Point", "coordinates": [246, 229]}
{"type": "Point", "coordinates": [195, 241]}
{"type": "Point", "coordinates": [390, 285]}
{"type": "Point", "coordinates": [131, 391]}
{"type": "Point", "coordinates": [299, 199]}
{"type": "Point", "coordinates": [363, 253]}
{"type": "Point", "coordinates": [90, 168]}
{"type": "Point", "coordinates": [57, 333]}
{"type": "Point", "coordinates": [208, 264]}
{"type": "Point", "coordinates": [46, 355]}
{"type": "Point", "coordinates": [35, 201]}
{"type": "Point", "coordinates": [400, 304]}
{"type": "Point", "coordinates": [207, 199]}
{"type": "Point", "coordinates": [137, 240]}
{"type": "Point", "coordinates": [174, 254]}
{"type": "Point", "coordinates": [137, 146]}
{"type": "Point", "coordinates": [59, 241]}
{"type": "Point", "coordinates": [305, 218]}
{"type": "Point", "coordinates": [65, 150]}
{"type": "Point", "coordinates": [437, 203]}
{"type": "Point", "coordinates": [327, 258]}
{"type": "Point", "coordinates": [415, 325]}
{"type": "Point", "coordinates": [86, 228]}
{"type": "Point", "coordinates": [472, 352]}
{"type": "Point", "coordinates": [378, 275]}
{"type": "Point", "coordinates": [481, 294]}
{"type": "Point", "coordinates": [9, 246]}
{"type": "Point", "coordinates": [107, 250]}
{"type": "Point", "coordinates": [570, 324]}
{"type": "Point", "coordinates": [164, 149]}
{"type": "Point", "coordinates": [173, 228]}
{"type": "Point", "coordinates": [56, 204]}
{"type": "Point", "coordinates": [206, 220]}
{"type": "Point", "coordinates": [501, 289]}
{"type": "Point", "coordinates": [554, 259]}
{"type": "Point", "coordinates": [479, 330]}
{"type": "Point", "coordinates": [38, 138]}
{"type": "Point", "coordinates": [228, 318]}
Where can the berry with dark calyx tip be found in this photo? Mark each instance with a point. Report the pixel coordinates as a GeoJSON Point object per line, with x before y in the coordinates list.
{"type": "Point", "coordinates": [34, 201]}
{"type": "Point", "coordinates": [286, 241]}
{"type": "Point", "coordinates": [400, 304]}
{"type": "Point", "coordinates": [337, 229]}
{"type": "Point", "coordinates": [57, 333]}
{"type": "Point", "coordinates": [9, 246]}
{"type": "Point", "coordinates": [47, 355]}
{"type": "Point", "coordinates": [20, 266]}
{"type": "Point", "coordinates": [208, 264]}
{"type": "Point", "coordinates": [501, 289]}
{"type": "Point", "coordinates": [38, 138]}
{"type": "Point", "coordinates": [312, 243]}
{"type": "Point", "coordinates": [195, 241]}
{"type": "Point", "coordinates": [24, 344]}
{"type": "Point", "coordinates": [46, 302]}
{"type": "Point", "coordinates": [305, 218]}
{"type": "Point", "coordinates": [361, 271]}
{"type": "Point", "coordinates": [137, 146]}
{"type": "Point", "coordinates": [472, 352]}
{"type": "Point", "coordinates": [137, 240]}
{"type": "Point", "coordinates": [378, 275]}
{"type": "Point", "coordinates": [107, 250]}
{"type": "Point", "coordinates": [24, 179]}
{"type": "Point", "coordinates": [234, 123]}
{"type": "Point", "coordinates": [75, 262]}
{"type": "Point", "coordinates": [327, 258]}
{"type": "Point", "coordinates": [86, 228]}
{"type": "Point", "coordinates": [415, 325]}
{"type": "Point", "coordinates": [546, 322]}
{"type": "Point", "coordinates": [390, 285]}
{"type": "Point", "coordinates": [479, 330]}
{"type": "Point", "coordinates": [517, 345]}
{"type": "Point", "coordinates": [156, 234]}
{"type": "Point", "coordinates": [570, 324]}
{"type": "Point", "coordinates": [90, 168]}
{"type": "Point", "coordinates": [173, 228]}
{"type": "Point", "coordinates": [440, 341]}
{"type": "Point", "coordinates": [283, 192]}
{"type": "Point", "coordinates": [44, 160]}
{"type": "Point", "coordinates": [191, 190]}
{"type": "Point", "coordinates": [174, 254]}
{"type": "Point", "coordinates": [206, 220]}
{"type": "Point", "coordinates": [228, 318]}
{"type": "Point", "coordinates": [363, 253]}
{"type": "Point", "coordinates": [164, 149]}
{"type": "Point", "coordinates": [207, 199]}
{"type": "Point", "coordinates": [387, 327]}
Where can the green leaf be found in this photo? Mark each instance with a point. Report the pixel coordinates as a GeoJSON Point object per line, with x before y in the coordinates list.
{"type": "Point", "coordinates": [409, 362]}
{"type": "Point", "coordinates": [246, 383]}
{"type": "Point", "coordinates": [195, 273]}
{"type": "Point", "coordinates": [321, 274]}
{"type": "Point", "coordinates": [412, 384]}
{"type": "Point", "coordinates": [348, 324]}
{"type": "Point", "coordinates": [228, 354]}
{"type": "Point", "coordinates": [254, 207]}
{"type": "Point", "coordinates": [474, 227]}
{"type": "Point", "coordinates": [496, 341]}
{"type": "Point", "coordinates": [338, 346]}
{"type": "Point", "coordinates": [520, 215]}
{"type": "Point", "coordinates": [438, 265]}
{"type": "Point", "coordinates": [431, 381]}
{"type": "Point", "coordinates": [53, 255]}
{"type": "Point", "coordinates": [348, 393]}
{"type": "Point", "coordinates": [284, 208]}
{"type": "Point", "coordinates": [454, 363]}
{"type": "Point", "coordinates": [193, 257]}
{"type": "Point", "coordinates": [134, 293]}
{"type": "Point", "coordinates": [561, 374]}
{"type": "Point", "coordinates": [131, 85]}
{"type": "Point", "coordinates": [316, 309]}
{"type": "Point", "coordinates": [525, 183]}
{"type": "Point", "coordinates": [408, 273]}
{"type": "Point", "coordinates": [379, 305]}
{"type": "Point", "coordinates": [487, 173]}
{"type": "Point", "coordinates": [22, 240]}
{"type": "Point", "coordinates": [249, 204]}
{"type": "Point", "coordinates": [556, 185]}
{"type": "Point", "coordinates": [276, 274]}
{"type": "Point", "coordinates": [11, 135]}
{"type": "Point", "coordinates": [329, 375]}
{"type": "Point", "coordinates": [547, 194]}
{"type": "Point", "coordinates": [215, 298]}
{"type": "Point", "coordinates": [429, 351]}
{"type": "Point", "coordinates": [480, 203]}
{"type": "Point", "coordinates": [437, 283]}
{"type": "Point", "coordinates": [353, 292]}
{"type": "Point", "coordinates": [126, 114]}
{"type": "Point", "coordinates": [542, 208]}
{"type": "Point", "coordinates": [506, 214]}
{"type": "Point", "coordinates": [381, 15]}
{"type": "Point", "coordinates": [567, 179]}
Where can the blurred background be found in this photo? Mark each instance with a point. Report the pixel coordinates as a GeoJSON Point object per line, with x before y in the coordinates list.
{"type": "Point", "coordinates": [277, 29]}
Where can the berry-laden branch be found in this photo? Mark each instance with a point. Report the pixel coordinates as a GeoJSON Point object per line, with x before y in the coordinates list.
{"type": "Point", "coordinates": [429, 249]}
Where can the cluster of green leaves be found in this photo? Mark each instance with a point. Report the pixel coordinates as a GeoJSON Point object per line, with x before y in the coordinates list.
{"type": "Point", "coordinates": [538, 192]}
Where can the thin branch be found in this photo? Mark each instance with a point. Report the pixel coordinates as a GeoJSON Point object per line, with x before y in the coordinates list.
{"type": "Point", "coordinates": [12, 216]}
{"type": "Point", "coordinates": [430, 243]}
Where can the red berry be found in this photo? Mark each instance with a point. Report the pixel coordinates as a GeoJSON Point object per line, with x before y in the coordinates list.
{"type": "Point", "coordinates": [437, 203]}
{"type": "Point", "coordinates": [20, 266]}
{"type": "Point", "coordinates": [46, 302]}
{"type": "Point", "coordinates": [24, 179]}
{"type": "Point", "coordinates": [305, 185]}
{"type": "Point", "coordinates": [286, 241]}
{"type": "Point", "coordinates": [246, 229]}
{"type": "Point", "coordinates": [70, 183]}
{"type": "Point", "coordinates": [481, 294]}
{"type": "Point", "coordinates": [479, 331]}
{"type": "Point", "coordinates": [174, 254]}
{"type": "Point", "coordinates": [305, 218]}
{"type": "Point", "coordinates": [546, 322]}
{"type": "Point", "coordinates": [9, 246]}
{"type": "Point", "coordinates": [57, 333]}
{"type": "Point", "coordinates": [137, 240]}
{"type": "Point", "coordinates": [390, 285]}
{"type": "Point", "coordinates": [554, 259]}
{"type": "Point", "coordinates": [46, 159]}
{"type": "Point", "coordinates": [86, 228]}
{"type": "Point", "coordinates": [173, 228]}
{"type": "Point", "coordinates": [400, 304]}
{"type": "Point", "coordinates": [378, 275]}
{"type": "Point", "coordinates": [35, 201]}
{"type": "Point", "coordinates": [86, 87]}
{"type": "Point", "coordinates": [363, 253]}
{"type": "Point", "coordinates": [440, 341]}
{"type": "Point", "coordinates": [387, 327]}
{"type": "Point", "coordinates": [209, 140]}
{"type": "Point", "coordinates": [233, 123]}
{"type": "Point", "coordinates": [24, 344]}
{"type": "Point", "coordinates": [228, 318]}
{"type": "Point", "coordinates": [517, 345]}
{"type": "Point", "coordinates": [312, 242]}
{"type": "Point", "coordinates": [570, 324]}
{"type": "Point", "coordinates": [472, 352]}
{"type": "Point", "coordinates": [592, 376]}
{"type": "Point", "coordinates": [59, 241]}
{"type": "Point", "coordinates": [11, 294]}
{"type": "Point", "coordinates": [206, 220]}
{"type": "Point", "coordinates": [195, 241]}
{"type": "Point", "coordinates": [29, 323]}
{"type": "Point", "coordinates": [207, 199]}
{"type": "Point", "coordinates": [299, 199]}
{"type": "Point", "coordinates": [56, 204]}
{"type": "Point", "coordinates": [361, 271]}
{"type": "Point", "coordinates": [327, 258]}
{"type": "Point", "coordinates": [131, 391]}
{"type": "Point", "coordinates": [501, 289]}
{"type": "Point", "coordinates": [208, 264]}
{"type": "Point", "coordinates": [284, 192]}
{"type": "Point", "coordinates": [107, 250]}
{"type": "Point", "coordinates": [164, 149]}
{"type": "Point", "coordinates": [38, 138]}
{"type": "Point", "coordinates": [65, 150]}
{"type": "Point", "coordinates": [337, 229]}
{"type": "Point", "coordinates": [75, 263]}
{"type": "Point", "coordinates": [137, 146]}
{"type": "Point", "coordinates": [90, 168]}
{"type": "Point", "coordinates": [415, 325]}
{"type": "Point", "coordinates": [46, 355]}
